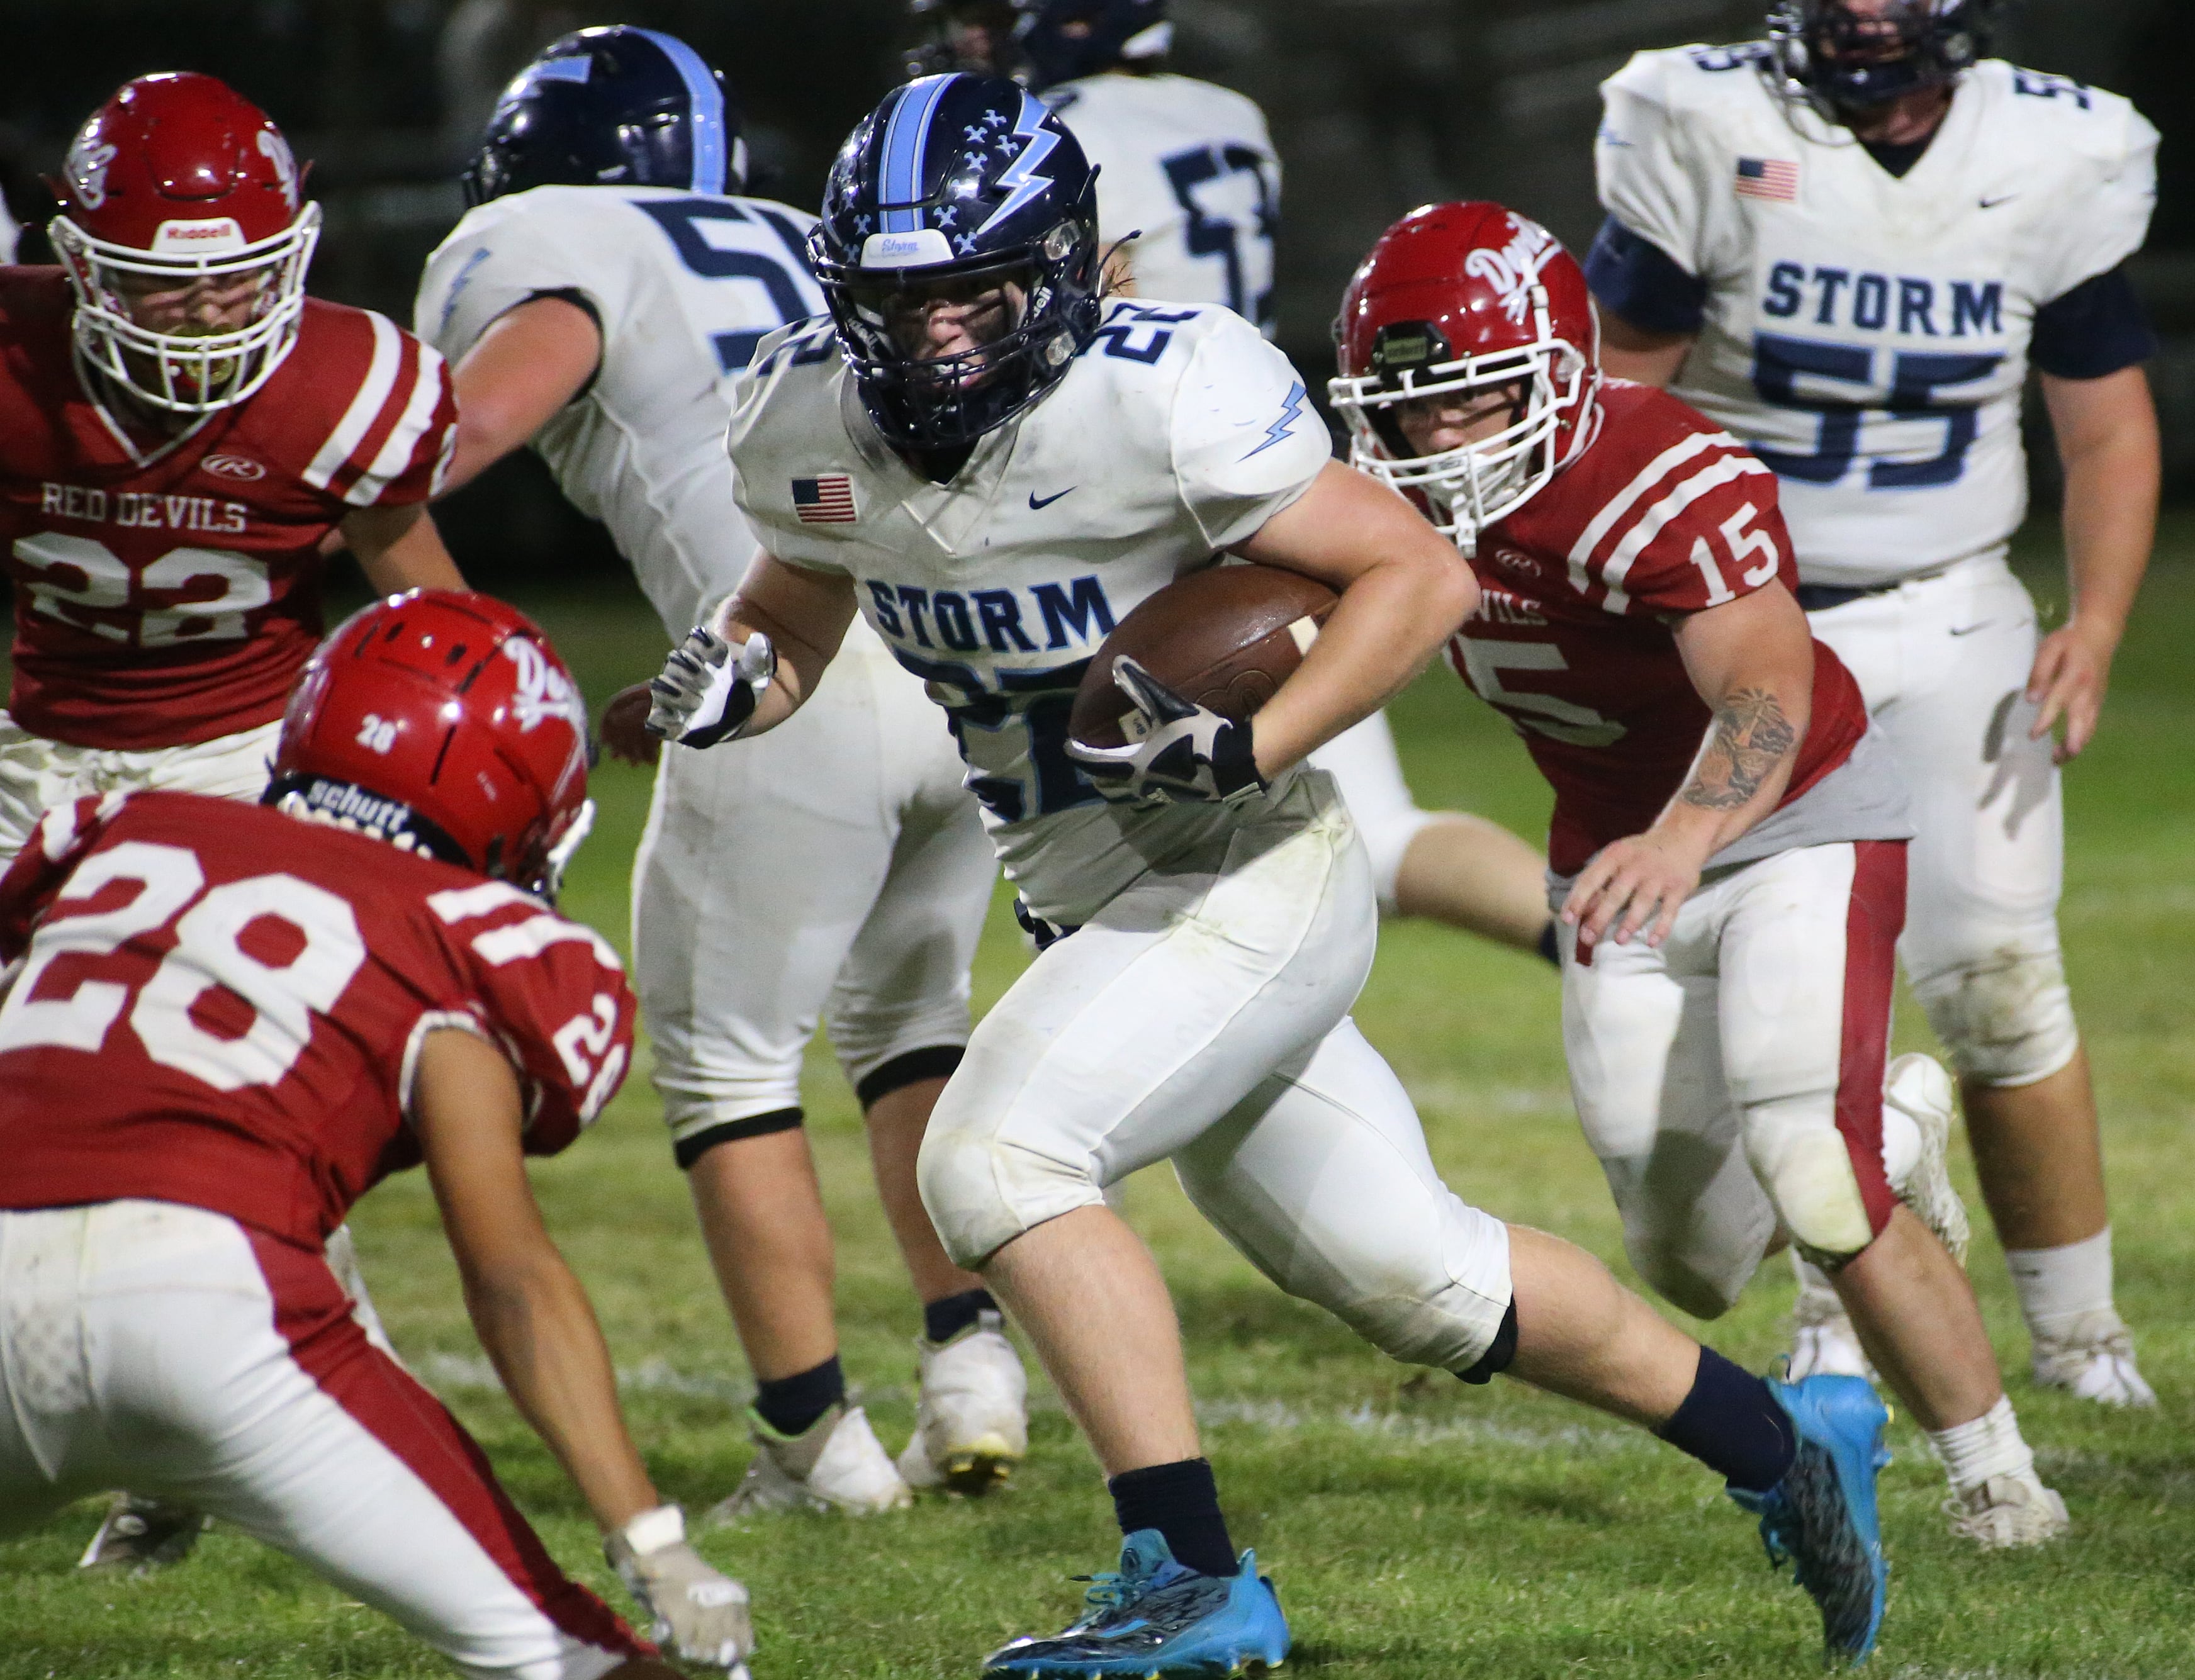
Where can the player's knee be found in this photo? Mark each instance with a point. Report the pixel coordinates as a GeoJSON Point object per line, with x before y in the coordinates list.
{"type": "Point", "coordinates": [1435, 1299]}
{"type": "Point", "coordinates": [1689, 1281]}
{"type": "Point", "coordinates": [1387, 836]}
{"type": "Point", "coordinates": [982, 1190]}
{"type": "Point", "coordinates": [1814, 1184]}
{"type": "Point", "coordinates": [878, 1071]}
{"type": "Point", "coordinates": [2006, 1016]}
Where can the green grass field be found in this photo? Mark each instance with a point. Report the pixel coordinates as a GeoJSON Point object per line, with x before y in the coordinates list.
{"type": "Point", "coordinates": [1418, 1530]}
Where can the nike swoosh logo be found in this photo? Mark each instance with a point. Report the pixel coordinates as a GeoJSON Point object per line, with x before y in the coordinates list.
{"type": "Point", "coordinates": [1991, 204]}
{"type": "Point", "coordinates": [1034, 504]}
{"type": "Point", "coordinates": [1967, 629]}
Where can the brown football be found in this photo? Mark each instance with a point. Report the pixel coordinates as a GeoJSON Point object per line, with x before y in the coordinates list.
{"type": "Point", "coordinates": [1225, 638]}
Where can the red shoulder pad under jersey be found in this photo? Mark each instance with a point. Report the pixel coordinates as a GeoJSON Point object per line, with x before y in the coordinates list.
{"type": "Point", "coordinates": [56, 844]}
{"type": "Point", "coordinates": [387, 420]}
{"type": "Point", "coordinates": [1665, 512]}
{"type": "Point", "coordinates": [556, 999]}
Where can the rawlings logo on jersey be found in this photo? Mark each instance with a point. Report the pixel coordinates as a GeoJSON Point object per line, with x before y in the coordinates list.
{"type": "Point", "coordinates": [242, 467]}
{"type": "Point", "coordinates": [1514, 270]}
{"type": "Point", "coordinates": [87, 166]}
{"type": "Point", "coordinates": [544, 691]}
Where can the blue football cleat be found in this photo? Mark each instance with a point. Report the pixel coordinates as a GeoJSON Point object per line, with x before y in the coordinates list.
{"type": "Point", "coordinates": [1821, 1516]}
{"type": "Point", "coordinates": [1154, 1617]}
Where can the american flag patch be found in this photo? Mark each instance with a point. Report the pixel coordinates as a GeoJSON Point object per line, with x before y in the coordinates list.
{"type": "Point", "coordinates": [1767, 178]}
{"type": "Point", "coordinates": [828, 500]}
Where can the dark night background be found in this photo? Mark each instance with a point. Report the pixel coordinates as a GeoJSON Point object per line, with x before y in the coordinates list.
{"type": "Point", "coordinates": [1376, 106]}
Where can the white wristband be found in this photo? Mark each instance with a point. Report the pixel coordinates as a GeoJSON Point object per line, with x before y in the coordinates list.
{"type": "Point", "coordinates": [652, 1530]}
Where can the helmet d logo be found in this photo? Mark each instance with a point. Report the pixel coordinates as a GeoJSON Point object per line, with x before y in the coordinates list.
{"type": "Point", "coordinates": [544, 691]}
{"type": "Point", "coordinates": [276, 150]}
{"type": "Point", "coordinates": [1513, 270]}
{"type": "Point", "coordinates": [89, 160]}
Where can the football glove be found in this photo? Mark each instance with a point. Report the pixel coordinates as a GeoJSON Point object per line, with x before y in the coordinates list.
{"type": "Point", "coordinates": [709, 687]}
{"type": "Point", "coordinates": [1177, 752]}
{"type": "Point", "coordinates": [698, 1613]}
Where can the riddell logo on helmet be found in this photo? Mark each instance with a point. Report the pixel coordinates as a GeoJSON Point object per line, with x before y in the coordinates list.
{"type": "Point", "coordinates": [218, 233]}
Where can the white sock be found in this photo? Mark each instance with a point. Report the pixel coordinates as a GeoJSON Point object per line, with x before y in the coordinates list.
{"type": "Point", "coordinates": [2056, 1286]}
{"type": "Point", "coordinates": [1971, 1454]}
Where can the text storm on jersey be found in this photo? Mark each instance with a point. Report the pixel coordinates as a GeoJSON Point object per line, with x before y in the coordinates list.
{"type": "Point", "coordinates": [1072, 614]}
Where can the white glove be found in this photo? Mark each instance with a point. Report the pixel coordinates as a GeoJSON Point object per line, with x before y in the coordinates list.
{"type": "Point", "coordinates": [1178, 752]}
{"type": "Point", "coordinates": [709, 687]}
{"type": "Point", "coordinates": [699, 1613]}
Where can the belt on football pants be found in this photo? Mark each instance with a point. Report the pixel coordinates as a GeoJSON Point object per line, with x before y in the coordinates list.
{"type": "Point", "coordinates": [1820, 597]}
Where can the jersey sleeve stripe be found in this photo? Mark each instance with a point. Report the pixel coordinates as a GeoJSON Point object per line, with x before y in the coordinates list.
{"type": "Point", "coordinates": [429, 381]}
{"type": "Point", "coordinates": [365, 407]}
{"type": "Point", "coordinates": [520, 939]}
{"type": "Point", "coordinates": [1619, 505]}
{"type": "Point", "coordinates": [1651, 522]}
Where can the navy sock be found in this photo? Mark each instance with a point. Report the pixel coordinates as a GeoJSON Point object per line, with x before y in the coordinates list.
{"type": "Point", "coordinates": [790, 1405]}
{"type": "Point", "coordinates": [1549, 946]}
{"type": "Point", "coordinates": [1731, 1423]}
{"type": "Point", "coordinates": [1182, 1502]}
{"type": "Point", "coordinates": [942, 1320]}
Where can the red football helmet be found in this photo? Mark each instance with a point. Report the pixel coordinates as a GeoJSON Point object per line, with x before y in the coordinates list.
{"type": "Point", "coordinates": [179, 184]}
{"type": "Point", "coordinates": [1456, 299]}
{"type": "Point", "coordinates": [444, 722]}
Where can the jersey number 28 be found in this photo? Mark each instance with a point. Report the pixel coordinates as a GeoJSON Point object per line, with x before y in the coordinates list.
{"type": "Point", "coordinates": [283, 947]}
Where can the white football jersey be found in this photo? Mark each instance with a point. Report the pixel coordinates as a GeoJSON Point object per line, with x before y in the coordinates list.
{"type": "Point", "coordinates": [1189, 168]}
{"type": "Point", "coordinates": [1177, 432]}
{"type": "Point", "coordinates": [1868, 334]}
{"type": "Point", "coordinates": [685, 286]}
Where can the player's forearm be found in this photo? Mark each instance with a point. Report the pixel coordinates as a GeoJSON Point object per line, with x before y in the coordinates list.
{"type": "Point", "coordinates": [1386, 628]}
{"type": "Point", "coordinates": [540, 1332]}
{"type": "Point", "coordinates": [1743, 765]}
{"type": "Point", "coordinates": [399, 548]}
{"type": "Point", "coordinates": [2113, 470]}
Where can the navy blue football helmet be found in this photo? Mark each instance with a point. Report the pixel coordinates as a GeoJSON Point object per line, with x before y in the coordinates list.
{"type": "Point", "coordinates": [1063, 39]}
{"type": "Point", "coordinates": [958, 188]}
{"type": "Point", "coordinates": [1851, 55]}
{"type": "Point", "coordinates": [612, 107]}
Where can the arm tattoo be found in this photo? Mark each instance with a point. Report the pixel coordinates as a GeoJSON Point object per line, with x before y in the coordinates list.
{"type": "Point", "coordinates": [1750, 736]}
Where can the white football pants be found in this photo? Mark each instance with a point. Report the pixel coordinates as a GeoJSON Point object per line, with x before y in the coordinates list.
{"type": "Point", "coordinates": [1734, 1075]}
{"type": "Point", "coordinates": [1202, 1015]}
{"type": "Point", "coordinates": [174, 1351]}
{"type": "Point", "coordinates": [1943, 662]}
{"type": "Point", "coordinates": [1363, 764]}
{"type": "Point", "coordinates": [834, 867]}
{"type": "Point", "coordinates": [37, 773]}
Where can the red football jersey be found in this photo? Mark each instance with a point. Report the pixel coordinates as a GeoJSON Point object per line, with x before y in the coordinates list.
{"type": "Point", "coordinates": [222, 1005]}
{"type": "Point", "coordinates": [1664, 513]}
{"type": "Point", "coordinates": [168, 588]}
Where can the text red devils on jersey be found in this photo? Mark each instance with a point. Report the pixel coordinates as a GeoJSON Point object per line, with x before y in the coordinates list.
{"type": "Point", "coordinates": [167, 590]}
{"type": "Point", "coordinates": [1663, 515]}
{"type": "Point", "coordinates": [222, 1005]}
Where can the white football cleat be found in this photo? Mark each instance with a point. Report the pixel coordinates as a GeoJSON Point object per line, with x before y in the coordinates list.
{"type": "Point", "coordinates": [141, 1534]}
{"type": "Point", "coordinates": [1823, 1343]}
{"type": "Point", "coordinates": [971, 1425]}
{"type": "Point", "coordinates": [1919, 1089]}
{"type": "Point", "coordinates": [2094, 1358]}
{"type": "Point", "coordinates": [2007, 1512]}
{"type": "Point", "coordinates": [837, 1464]}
